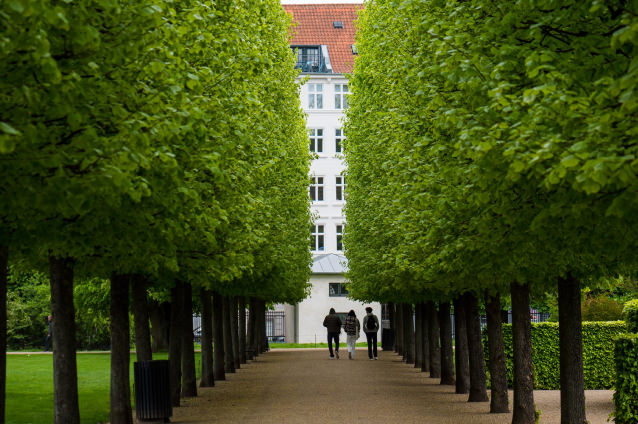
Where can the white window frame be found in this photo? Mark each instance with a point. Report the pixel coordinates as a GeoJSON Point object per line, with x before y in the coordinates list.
{"type": "Point", "coordinates": [315, 96]}
{"type": "Point", "coordinates": [316, 140]}
{"type": "Point", "coordinates": [317, 238]}
{"type": "Point", "coordinates": [339, 230]}
{"type": "Point", "coordinates": [316, 190]}
{"type": "Point", "coordinates": [340, 187]}
{"type": "Point", "coordinates": [339, 137]}
{"type": "Point", "coordinates": [341, 96]}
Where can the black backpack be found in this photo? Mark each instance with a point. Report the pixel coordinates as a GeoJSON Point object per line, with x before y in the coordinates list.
{"type": "Point", "coordinates": [370, 323]}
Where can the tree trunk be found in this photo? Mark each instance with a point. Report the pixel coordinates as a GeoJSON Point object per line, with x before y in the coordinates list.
{"type": "Point", "coordinates": [425, 339]}
{"type": "Point", "coordinates": [478, 383]}
{"type": "Point", "coordinates": [175, 343]}
{"type": "Point", "coordinates": [496, 351]}
{"type": "Point", "coordinates": [408, 333]}
{"type": "Point", "coordinates": [570, 331]}
{"type": "Point", "coordinates": [252, 325]}
{"type": "Point", "coordinates": [65, 374]}
{"type": "Point", "coordinates": [121, 411]}
{"type": "Point", "coordinates": [262, 326]}
{"type": "Point", "coordinates": [229, 361]}
{"type": "Point", "coordinates": [461, 353]}
{"type": "Point", "coordinates": [141, 318]}
{"type": "Point", "coordinates": [241, 301]}
{"type": "Point", "coordinates": [160, 315]}
{"type": "Point", "coordinates": [524, 410]}
{"type": "Point", "coordinates": [399, 333]}
{"type": "Point", "coordinates": [418, 336]}
{"type": "Point", "coordinates": [218, 336]}
{"type": "Point", "coordinates": [433, 334]}
{"type": "Point", "coordinates": [189, 379]}
{"type": "Point", "coordinates": [4, 260]}
{"type": "Point", "coordinates": [393, 323]}
{"type": "Point", "coordinates": [234, 328]}
{"type": "Point", "coordinates": [208, 376]}
{"type": "Point", "coordinates": [447, 352]}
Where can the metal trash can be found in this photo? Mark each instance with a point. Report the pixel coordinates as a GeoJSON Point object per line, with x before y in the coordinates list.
{"type": "Point", "coordinates": [152, 390]}
{"type": "Point", "coordinates": [387, 339]}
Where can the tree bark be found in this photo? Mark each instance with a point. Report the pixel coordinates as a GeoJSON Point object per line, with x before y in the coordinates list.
{"type": "Point", "coordinates": [234, 328]}
{"type": "Point", "coordinates": [478, 383]}
{"type": "Point", "coordinates": [4, 261]}
{"type": "Point", "coordinates": [447, 352]}
{"type": "Point", "coordinates": [425, 339]}
{"type": "Point", "coordinates": [262, 326]}
{"type": "Point", "coordinates": [252, 325]}
{"type": "Point", "coordinates": [242, 328]}
{"type": "Point", "coordinates": [208, 375]}
{"type": "Point", "coordinates": [399, 333]}
{"type": "Point", "coordinates": [393, 323]}
{"type": "Point", "coordinates": [433, 335]}
{"type": "Point", "coordinates": [229, 361]}
{"type": "Point", "coordinates": [65, 374]}
{"type": "Point", "coordinates": [408, 333]}
{"type": "Point", "coordinates": [461, 353]}
{"type": "Point", "coordinates": [175, 343]}
{"type": "Point", "coordinates": [496, 351]}
{"type": "Point", "coordinates": [189, 379]}
{"type": "Point", "coordinates": [160, 315]}
{"type": "Point", "coordinates": [570, 331]}
{"type": "Point", "coordinates": [121, 411]}
{"type": "Point", "coordinates": [418, 336]}
{"type": "Point", "coordinates": [218, 337]}
{"type": "Point", "coordinates": [524, 410]}
{"type": "Point", "coordinates": [141, 318]}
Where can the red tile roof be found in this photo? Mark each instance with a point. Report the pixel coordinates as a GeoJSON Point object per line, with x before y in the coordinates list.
{"type": "Point", "coordinates": [314, 26]}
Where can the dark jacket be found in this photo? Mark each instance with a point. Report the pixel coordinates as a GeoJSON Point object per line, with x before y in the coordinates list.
{"type": "Point", "coordinates": [365, 323]}
{"type": "Point", "coordinates": [333, 323]}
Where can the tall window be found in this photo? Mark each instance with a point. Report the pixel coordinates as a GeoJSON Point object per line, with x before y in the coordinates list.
{"type": "Point", "coordinates": [316, 189]}
{"type": "Point", "coordinates": [340, 237]}
{"type": "Point", "coordinates": [340, 181]}
{"type": "Point", "coordinates": [337, 289]}
{"type": "Point", "coordinates": [315, 96]}
{"type": "Point", "coordinates": [341, 96]}
{"type": "Point", "coordinates": [316, 140]}
{"type": "Point", "coordinates": [316, 240]}
{"type": "Point", "coordinates": [338, 139]}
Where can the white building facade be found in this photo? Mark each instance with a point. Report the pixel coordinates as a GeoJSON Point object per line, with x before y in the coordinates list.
{"type": "Point", "coordinates": [324, 41]}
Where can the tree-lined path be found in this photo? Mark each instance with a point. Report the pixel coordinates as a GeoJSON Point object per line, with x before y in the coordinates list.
{"type": "Point", "coordinates": [304, 386]}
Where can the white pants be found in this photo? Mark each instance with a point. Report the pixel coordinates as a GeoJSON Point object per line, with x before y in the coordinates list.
{"type": "Point", "coordinates": [350, 342]}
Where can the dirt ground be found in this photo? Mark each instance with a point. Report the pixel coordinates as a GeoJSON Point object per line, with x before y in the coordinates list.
{"type": "Point", "coordinates": [304, 386]}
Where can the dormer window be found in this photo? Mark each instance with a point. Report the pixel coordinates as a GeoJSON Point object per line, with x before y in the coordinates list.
{"type": "Point", "coordinates": [312, 59]}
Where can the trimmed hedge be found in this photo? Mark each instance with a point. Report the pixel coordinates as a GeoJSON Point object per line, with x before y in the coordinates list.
{"type": "Point", "coordinates": [598, 354]}
{"type": "Point", "coordinates": [626, 395]}
{"type": "Point", "coordinates": [630, 313]}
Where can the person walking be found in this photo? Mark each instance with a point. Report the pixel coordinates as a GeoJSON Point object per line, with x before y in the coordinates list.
{"type": "Point", "coordinates": [371, 326]}
{"type": "Point", "coordinates": [47, 341]}
{"type": "Point", "coordinates": [352, 326]}
{"type": "Point", "coordinates": [333, 323]}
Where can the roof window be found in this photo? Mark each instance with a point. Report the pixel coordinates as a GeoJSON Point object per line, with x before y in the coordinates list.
{"type": "Point", "coordinates": [337, 24]}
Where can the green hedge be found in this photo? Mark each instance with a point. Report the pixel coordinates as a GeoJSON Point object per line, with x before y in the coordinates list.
{"type": "Point", "coordinates": [630, 313]}
{"type": "Point", "coordinates": [598, 354]}
{"type": "Point", "coordinates": [626, 395]}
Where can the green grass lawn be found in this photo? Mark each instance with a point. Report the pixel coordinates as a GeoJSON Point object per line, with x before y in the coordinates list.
{"type": "Point", "coordinates": [30, 387]}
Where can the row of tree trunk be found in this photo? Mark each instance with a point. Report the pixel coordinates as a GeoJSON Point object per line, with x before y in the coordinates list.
{"type": "Point", "coordinates": [423, 336]}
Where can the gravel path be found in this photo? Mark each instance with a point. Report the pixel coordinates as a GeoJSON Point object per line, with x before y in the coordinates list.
{"type": "Point", "coordinates": [304, 386]}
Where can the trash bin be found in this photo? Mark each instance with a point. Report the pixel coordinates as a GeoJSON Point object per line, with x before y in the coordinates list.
{"type": "Point", "coordinates": [387, 339]}
{"type": "Point", "coordinates": [152, 390]}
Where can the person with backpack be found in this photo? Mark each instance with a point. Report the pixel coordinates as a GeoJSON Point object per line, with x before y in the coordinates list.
{"type": "Point", "coordinates": [333, 323]}
{"type": "Point", "coordinates": [371, 326]}
{"type": "Point", "coordinates": [351, 327]}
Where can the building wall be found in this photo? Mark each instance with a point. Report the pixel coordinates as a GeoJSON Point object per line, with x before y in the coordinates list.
{"type": "Point", "coordinates": [313, 310]}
